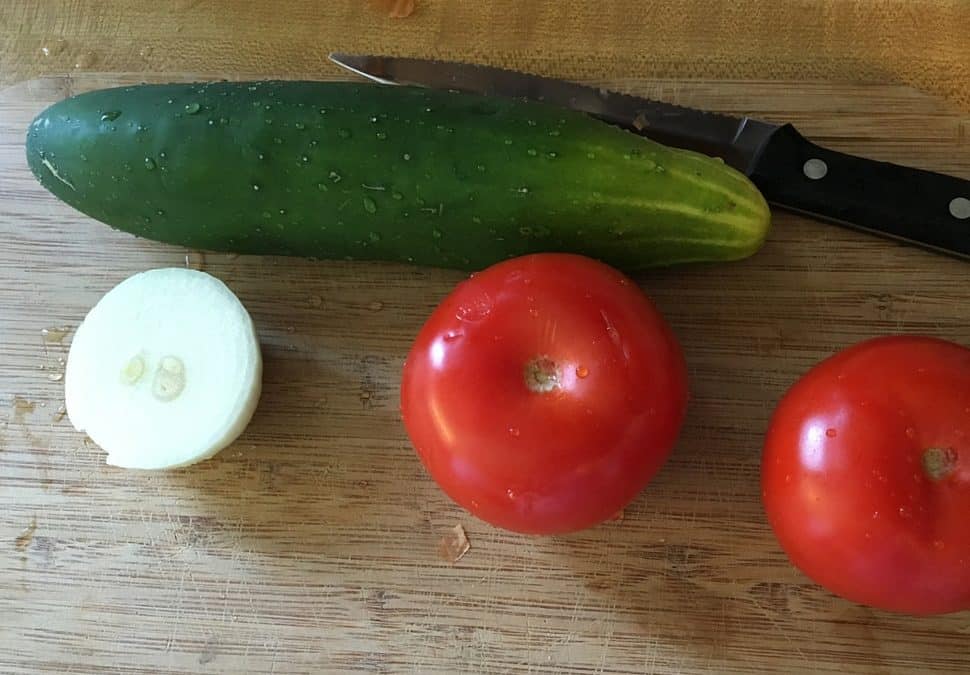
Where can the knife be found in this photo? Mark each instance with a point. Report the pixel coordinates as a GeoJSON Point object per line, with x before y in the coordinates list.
{"type": "Point", "coordinates": [924, 208]}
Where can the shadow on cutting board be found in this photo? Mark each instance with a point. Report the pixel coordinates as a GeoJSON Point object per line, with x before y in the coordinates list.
{"type": "Point", "coordinates": [325, 467]}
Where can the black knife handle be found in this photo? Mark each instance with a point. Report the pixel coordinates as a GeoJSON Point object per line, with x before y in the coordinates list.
{"type": "Point", "coordinates": [922, 207]}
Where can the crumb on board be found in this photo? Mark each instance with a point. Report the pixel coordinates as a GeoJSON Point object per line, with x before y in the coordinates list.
{"type": "Point", "coordinates": [21, 408]}
{"type": "Point", "coordinates": [54, 334]}
{"type": "Point", "coordinates": [23, 539]}
{"type": "Point", "coordinates": [395, 9]}
{"type": "Point", "coordinates": [454, 545]}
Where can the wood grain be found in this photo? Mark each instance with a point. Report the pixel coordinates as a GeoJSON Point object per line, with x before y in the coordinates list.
{"type": "Point", "coordinates": [922, 43]}
{"type": "Point", "coordinates": [311, 544]}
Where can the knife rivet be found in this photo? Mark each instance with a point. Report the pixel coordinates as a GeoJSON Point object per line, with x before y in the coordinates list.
{"type": "Point", "coordinates": [960, 208]}
{"type": "Point", "coordinates": [815, 168]}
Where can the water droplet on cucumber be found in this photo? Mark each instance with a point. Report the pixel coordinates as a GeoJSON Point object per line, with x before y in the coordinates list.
{"type": "Point", "coordinates": [531, 152]}
{"type": "Point", "coordinates": [149, 163]}
{"type": "Point", "coordinates": [192, 108]}
{"type": "Point", "coordinates": [343, 133]}
{"type": "Point", "coordinates": [110, 116]}
{"type": "Point", "coordinates": [374, 236]}
{"type": "Point", "coordinates": [370, 205]}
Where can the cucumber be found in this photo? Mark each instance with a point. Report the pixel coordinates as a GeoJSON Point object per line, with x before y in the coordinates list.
{"type": "Point", "coordinates": [344, 170]}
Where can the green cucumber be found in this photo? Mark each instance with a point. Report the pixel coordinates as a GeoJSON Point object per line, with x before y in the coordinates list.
{"type": "Point", "coordinates": [361, 171]}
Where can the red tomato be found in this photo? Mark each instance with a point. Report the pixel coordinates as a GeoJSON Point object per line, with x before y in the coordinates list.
{"type": "Point", "coordinates": [866, 474]}
{"type": "Point", "coordinates": [544, 393]}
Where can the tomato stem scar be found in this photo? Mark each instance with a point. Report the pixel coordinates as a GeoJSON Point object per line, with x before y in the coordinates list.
{"type": "Point", "coordinates": [938, 463]}
{"type": "Point", "coordinates": [542, 375]}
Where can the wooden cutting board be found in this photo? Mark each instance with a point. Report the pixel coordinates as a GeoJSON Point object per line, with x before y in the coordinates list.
{"type": "Point", "coordinates": [311, 544]}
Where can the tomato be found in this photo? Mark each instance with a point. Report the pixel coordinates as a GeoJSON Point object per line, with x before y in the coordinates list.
{"type": "Point", "coordinates": [544, 393]}
{"type": "Point", "coordinates": [866, 474]}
